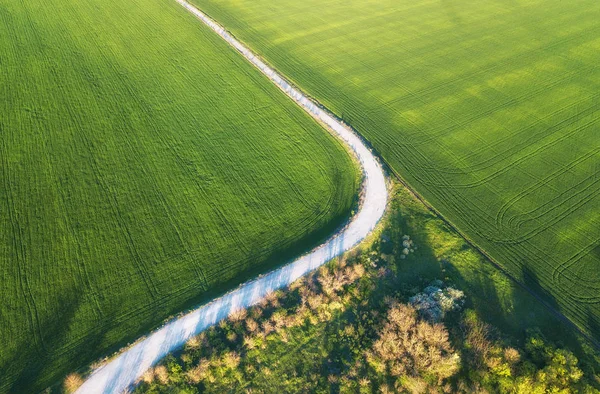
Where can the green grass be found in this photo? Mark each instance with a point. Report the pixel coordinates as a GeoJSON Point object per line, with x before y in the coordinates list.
{"type": "Point", "coordinates": [489, 109]}
{"type": "Point", "coordinates": [144, 167]}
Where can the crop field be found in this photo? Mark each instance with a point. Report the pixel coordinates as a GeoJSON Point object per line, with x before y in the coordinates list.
{"type": "Point", "coordinates": [489, 109]}
{"type": "Point", "coordinates": [144, 167]}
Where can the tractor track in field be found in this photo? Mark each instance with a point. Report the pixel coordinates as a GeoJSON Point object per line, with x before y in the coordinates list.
{"type": "Point", "coordinates": [124, 370]}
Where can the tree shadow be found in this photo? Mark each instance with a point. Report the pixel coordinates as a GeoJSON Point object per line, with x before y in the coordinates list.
{"type": "Point", "coordinates": [36, 368]}
{"type": "Point", "coordinates": [513, 305]}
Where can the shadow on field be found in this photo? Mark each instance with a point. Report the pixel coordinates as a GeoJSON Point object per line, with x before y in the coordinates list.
{"type": "Point", "coordinates": [593, 322]}
{"type": "Point", "coordinates": [532, 282]}
{"type": "Point", "coordinates": [443, 254]}
{"type": "Point", "coordinates": [37, 357]}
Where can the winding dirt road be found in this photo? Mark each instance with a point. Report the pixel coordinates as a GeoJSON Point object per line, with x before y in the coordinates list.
{"type": "Point", "coordinates": [123, 371]}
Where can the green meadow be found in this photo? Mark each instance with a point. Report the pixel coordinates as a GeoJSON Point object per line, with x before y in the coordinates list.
{"type": "Point", "coordinates": [488, 109]}
{"type": "Point", "coordinates": [144, 167]}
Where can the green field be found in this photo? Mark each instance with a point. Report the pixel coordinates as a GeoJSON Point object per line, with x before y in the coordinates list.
{"type": "Point", "coordinates": [144, 166]}
{"type": "Point", "coordinates": [489, 109]}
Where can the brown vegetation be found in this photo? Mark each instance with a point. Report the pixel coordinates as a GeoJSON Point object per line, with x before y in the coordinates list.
{"type": "Point", "coordinates": [72, 382]}
{"type": "Point", "coordinates": [412, 350]}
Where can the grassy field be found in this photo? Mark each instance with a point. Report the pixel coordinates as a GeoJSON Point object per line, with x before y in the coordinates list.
{"type": "Point", "coordinates": [489, 109]}
{"type": "Point", "coordinates": [144, 167]}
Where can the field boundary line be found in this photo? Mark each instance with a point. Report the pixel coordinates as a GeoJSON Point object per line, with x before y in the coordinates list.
{"type": "Point", "coordinates": [123, 371]}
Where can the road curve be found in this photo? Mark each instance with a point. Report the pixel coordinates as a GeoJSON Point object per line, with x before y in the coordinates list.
{"type": "Point", "coordinates": [123, 371]}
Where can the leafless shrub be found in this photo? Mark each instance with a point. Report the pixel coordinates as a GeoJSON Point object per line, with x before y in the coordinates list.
{"type": "Point", "coordinates": [350, 274]}
{"type": "Point", "coordinates": [341, 279]}
{"type": "Point", "coordinates": [411, 348]}
{"type": "Point", "coordinates": [293, 320]}
{"type": "Point", "coordinates": [272, 298]}
{"type": "Point", "coordinates": [359, 270]}
{"type": "Point", "coordinates": [72, 382]}
{"type": "Point", "coordinates": [223, 324]}
{"type": "Point", "coordinates": [148, 376]}
{"type": "Point", "coordinates": [327, 282]}
{"type": "Point", "coordinates": [231, 360]}
{"type": "Point", "coordinates": [251, 324]}
{"type": "Point", "coordinates": [297, 284]}
{"type": "Point", "coordinates": [238, 315]}
{"type": "Point", "coordinates": [315, 301]}
{"type": "Point", "coordinates": [97, 364]}
{"type": "Point", "coordinates": [195, 375]}
{"type": "Point", "coordinates": [512, 355]}
{"type": "Point", "coordinates": [210, 377]}
{"type": "Point", "coordinates": [267, 328]}
{"type": "Point", "coordinates": [278, 318]}
{"type": "Point", "coordinates": [256, 312]}
{"type": "Point", "coordinates": [283, 336]}
{"type": "Point", "coordinates": [477, 338]}
{"type": "Point", "coordinates": [249, 342]}
{"type": "Point", "coordinates": [161, 373]}
{"type": "Point", "coordinates": [263, 303]}
{"type": "Point", "coordinates": [416, 385]}
{"type": "Point", "coordinates": [324, 314]}
{"type": "Point", "coordinates": [232, 336]}
{"type": "Point", "coordinates": [193, 343]}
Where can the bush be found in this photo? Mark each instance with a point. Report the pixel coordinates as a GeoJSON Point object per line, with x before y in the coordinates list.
{"type": "Point", "coordinates": [434, 302]}
{"type": "Point", "coordinates": [415, 352]}
{"type": "Point", "coordinates": [72, 382]}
